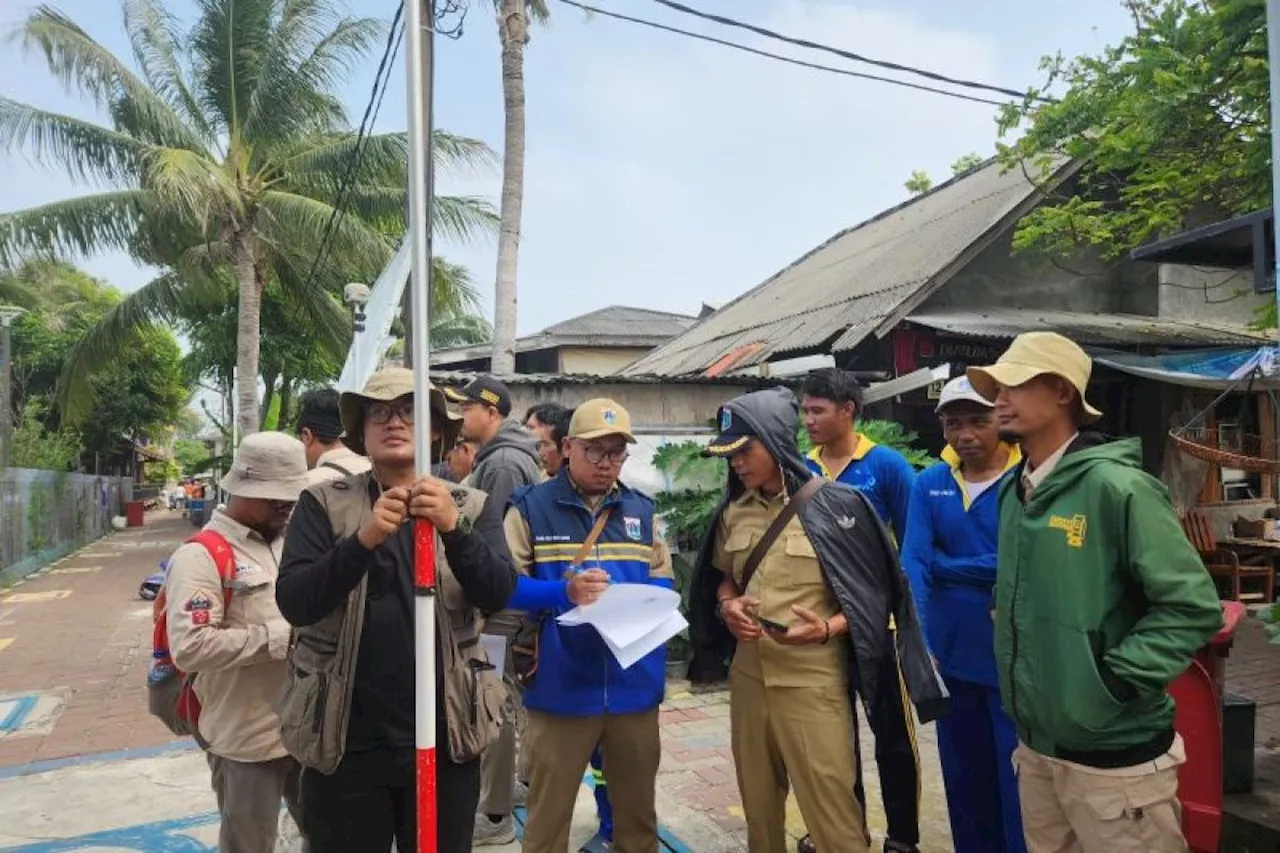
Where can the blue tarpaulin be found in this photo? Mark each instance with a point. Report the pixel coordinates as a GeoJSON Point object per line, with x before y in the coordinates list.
{"type": "Point", "coordinates": [1215, 369]}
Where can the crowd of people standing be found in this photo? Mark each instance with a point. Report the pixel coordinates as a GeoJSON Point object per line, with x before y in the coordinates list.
{"type": "Point", "coordinates": [1032, 593]}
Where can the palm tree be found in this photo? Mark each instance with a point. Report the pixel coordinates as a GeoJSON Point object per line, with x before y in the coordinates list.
{"type": "Point", "coordinates": [223, 160]}
{"type": "Point", "coordinates": [513, 32]}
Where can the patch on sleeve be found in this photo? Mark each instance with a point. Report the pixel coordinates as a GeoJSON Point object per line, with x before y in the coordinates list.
{"type": "Point", "coordinates": [632, 525]}
{"type": "Point", "coordinates": [199, 602]}
{"type": "Point", "coordinates": [200, 617]}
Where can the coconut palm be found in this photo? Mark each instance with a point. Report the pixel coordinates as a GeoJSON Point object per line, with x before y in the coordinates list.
{"type": "Point", "coordinates": [513, 32]}
{"type": "Point", "coordinates": [222, 159]}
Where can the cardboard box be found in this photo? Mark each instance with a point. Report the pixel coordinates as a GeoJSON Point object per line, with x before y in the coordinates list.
{"type": "Point", "coordinates": [1259, 528]}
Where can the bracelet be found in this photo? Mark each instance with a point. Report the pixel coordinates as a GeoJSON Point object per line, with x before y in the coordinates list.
{"type": "Point", "coordinates": [826, 623]}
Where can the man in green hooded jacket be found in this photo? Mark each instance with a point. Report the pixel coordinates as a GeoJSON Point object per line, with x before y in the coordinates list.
{"type": "Point", "coordinates": [1100, 604]}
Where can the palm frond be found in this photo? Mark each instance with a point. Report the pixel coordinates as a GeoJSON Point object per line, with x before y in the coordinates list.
{"type": "Point", "coordinates": [538, 11]}
{"type": "Point", "coordinates": [296, 225]}
{"type": "Point", "coordinates": [462, 218]}
{"type": "Point", "coordinates": [191, 186]}
{"type": "Point", "coordinates": [229, 42]}
{"type": "Point", "coordinates": [76, 226]}
{"type": "Point", "coordinates": [88, 152]}
{"type": "Point", "coordinates": [158, 49]}
{"type": "Point", "coordinates": [453, 290]}
{"type": "Point", "coordinates": [82, 65]}
{"type": "Point", "coordinates": [459, 330]}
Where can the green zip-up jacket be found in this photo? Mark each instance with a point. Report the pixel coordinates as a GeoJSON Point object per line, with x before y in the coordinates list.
{"type": "Point", "coordinates": [1101, 602]}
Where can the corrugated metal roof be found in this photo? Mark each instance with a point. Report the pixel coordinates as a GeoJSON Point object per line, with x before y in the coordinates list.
{"type": "Point", "coordinates": [461, 377]}
{"type": "Point", "coordinates": [1095, 329]}
{"type": "Point", "coordinates": [848, 286]}
{"type": "Point", "coordinates": [623, 321]}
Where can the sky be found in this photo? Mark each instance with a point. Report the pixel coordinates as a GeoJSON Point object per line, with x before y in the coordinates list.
{"type": "Point", "coordinates": [662, 172]}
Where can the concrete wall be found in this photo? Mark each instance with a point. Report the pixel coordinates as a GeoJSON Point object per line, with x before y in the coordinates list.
{"type": "Point", "coordinates": [46, 514]}
{"type": "Point", "coordinates": [1001, 278]}
{"type": "Point", "coordinates": [652, 407]}
{"type": "Point", "coordinates": [1198, 293]}
{"type": "Point", "coordinates": [600, 361]}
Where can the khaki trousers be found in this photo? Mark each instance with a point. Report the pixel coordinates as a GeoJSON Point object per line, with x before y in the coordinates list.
{"type": "Point", "coordinates": [1070, 808]}
{"type": "Point", "coordinates": [249, 796]}
{"type": "Point", "coordinates": [560, 748]}
{"type": "Point", "coordinates": [801, 737]}
{"type": "Point", "coordinates": [505, 758]}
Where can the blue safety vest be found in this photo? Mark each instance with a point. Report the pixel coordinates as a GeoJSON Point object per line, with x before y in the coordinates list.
{"type": "Point", "coordinates": [577, 674]}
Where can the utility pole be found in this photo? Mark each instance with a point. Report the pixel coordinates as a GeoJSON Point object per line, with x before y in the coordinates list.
{"type": "Point", "coordinates": [8, 313]}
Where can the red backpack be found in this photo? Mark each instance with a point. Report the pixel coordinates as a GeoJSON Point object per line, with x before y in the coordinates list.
{"type": "Point", "coordinates": [170, 696]}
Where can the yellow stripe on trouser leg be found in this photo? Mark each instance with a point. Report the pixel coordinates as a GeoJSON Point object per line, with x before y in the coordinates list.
{"type": "Point", "coordinates": [910, 719]}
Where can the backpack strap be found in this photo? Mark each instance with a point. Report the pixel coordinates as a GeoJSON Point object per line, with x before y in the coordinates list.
{"type": "Point", "coordinates": [335, 466]}
{"type": "Point", "coordinates": [223, 557]}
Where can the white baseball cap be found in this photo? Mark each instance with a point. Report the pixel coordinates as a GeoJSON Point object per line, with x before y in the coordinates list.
{"type": "Point", "coordinates": [959, 389]}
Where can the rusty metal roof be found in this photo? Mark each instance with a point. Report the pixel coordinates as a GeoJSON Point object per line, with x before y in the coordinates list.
{"type": "Point", "coordinates": [1088, 329]}
{"type": "Point", "coordinates": [860, 281]}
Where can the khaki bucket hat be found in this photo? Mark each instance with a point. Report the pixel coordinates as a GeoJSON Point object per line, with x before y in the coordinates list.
{"type": "Point", "coordinates": [1035, 354]}
{"type": "Point", "coordinates": [268, 466]}
{"type": "Point", "coordinates": [383, 387]}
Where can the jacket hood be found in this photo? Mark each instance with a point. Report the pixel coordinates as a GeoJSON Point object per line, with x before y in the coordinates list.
{"type": "Point", "coordinates": [773, 415]}
{"type": "Point", "coordinates": [512, 436]}
{"type": "Point", "coordinates": [1088, 451]}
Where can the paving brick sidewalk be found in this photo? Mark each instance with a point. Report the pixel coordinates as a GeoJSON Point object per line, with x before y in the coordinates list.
{"type": "Point", "coordinates": [1253, 671]}
{"type": "Point", "coordinates": [76, 638]}
{"type": "Point", "coordinates": [697, 770]}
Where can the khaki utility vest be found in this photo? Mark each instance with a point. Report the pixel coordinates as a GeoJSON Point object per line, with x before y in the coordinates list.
{"type": "Point", "coordinates": [315, 703]}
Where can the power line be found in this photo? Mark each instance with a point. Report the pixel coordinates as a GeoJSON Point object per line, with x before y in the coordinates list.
{"type": "Point", "coordinates": [394, 36]}
{"type": "Point", "coordinates": [787, 59]}
{"type": "Point", "coordinates": [881, 63]}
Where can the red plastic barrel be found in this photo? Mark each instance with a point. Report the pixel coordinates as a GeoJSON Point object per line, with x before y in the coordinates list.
{"type": "Point", "coordinates": [133, 513]}
{"type": "Point", "coordinates": [1198, 718]}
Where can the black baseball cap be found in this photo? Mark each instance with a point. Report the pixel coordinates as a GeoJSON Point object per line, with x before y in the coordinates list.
{"type": "Point", "coordinates": [734, 434]}
{"type": "Point", "coordinates": [485, 390]}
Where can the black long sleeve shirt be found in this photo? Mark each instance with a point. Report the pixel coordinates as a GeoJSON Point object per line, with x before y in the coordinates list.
{"type": "Point", "coordinates": [317, 574]}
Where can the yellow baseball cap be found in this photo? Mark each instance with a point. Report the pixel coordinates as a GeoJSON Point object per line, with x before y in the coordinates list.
{"type": "Point", "coordinates": [1035, 354]}
{"type": "Point", "coordinates": [598, 418]}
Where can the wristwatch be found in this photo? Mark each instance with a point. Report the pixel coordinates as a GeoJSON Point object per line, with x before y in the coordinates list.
{"type": "Point", "coordinates": [464, 526]}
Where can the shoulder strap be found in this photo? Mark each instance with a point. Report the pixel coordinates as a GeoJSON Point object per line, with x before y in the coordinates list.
{"type": "Point", "coordinates": [590, 542]}
{"type": "Point", "coordinates": [335, 466]}
{"type": "Point", "coordinates": [798, 500]}
{"type": "Point", "coordinates": [223, 557]}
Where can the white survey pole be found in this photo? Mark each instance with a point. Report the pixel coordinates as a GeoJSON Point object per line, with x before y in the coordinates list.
{"type": "Point", "coordinates": [419, 23]}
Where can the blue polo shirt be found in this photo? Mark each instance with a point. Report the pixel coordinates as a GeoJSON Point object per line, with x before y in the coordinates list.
{"type": "Point", "coordinates": [880, 473]}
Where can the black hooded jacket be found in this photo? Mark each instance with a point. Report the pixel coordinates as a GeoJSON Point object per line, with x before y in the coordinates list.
{"type": "Point", "coordinates": [857, 557]}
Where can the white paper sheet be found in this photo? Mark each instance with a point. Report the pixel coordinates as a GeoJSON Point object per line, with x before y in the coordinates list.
{"type": "Point", "coordinates": [495, 648]}
{"type": "Point", "coordinates": [633, 619]}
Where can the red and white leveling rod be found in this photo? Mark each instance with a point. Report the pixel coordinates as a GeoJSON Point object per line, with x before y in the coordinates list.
{"type": "Point", "coordinates": [419, 19]}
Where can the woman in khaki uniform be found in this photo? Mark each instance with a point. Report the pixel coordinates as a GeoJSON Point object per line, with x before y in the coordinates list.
{"type": "Point", "coordinates": [805, 578]}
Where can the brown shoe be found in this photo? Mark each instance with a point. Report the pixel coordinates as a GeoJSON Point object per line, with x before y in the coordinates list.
{"type": "Point", "coordinates": [806, 845]}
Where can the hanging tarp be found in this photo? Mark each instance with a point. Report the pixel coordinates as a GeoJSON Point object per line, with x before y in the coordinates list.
{"type": "Point", "coordinates": [1213, 369]}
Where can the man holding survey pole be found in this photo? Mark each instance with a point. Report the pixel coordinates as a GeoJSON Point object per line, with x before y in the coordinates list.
{"type": "Point", "coordinates": [571, 537]}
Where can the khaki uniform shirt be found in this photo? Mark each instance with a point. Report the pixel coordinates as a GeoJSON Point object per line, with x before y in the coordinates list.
{"type": "Point", "coordinates": [788, 575]}
{"type": "Point", "coordinates": [342, 455]}
{"type": "Point", "coordinates": [237, 656]}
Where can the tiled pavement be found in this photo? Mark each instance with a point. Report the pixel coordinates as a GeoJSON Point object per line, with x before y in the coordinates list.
{"type": "Point", "coordinates": [1253, 671]}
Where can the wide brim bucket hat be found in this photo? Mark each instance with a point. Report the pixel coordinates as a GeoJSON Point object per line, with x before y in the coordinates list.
{"type": "Point", "coordinates": [383, 387]}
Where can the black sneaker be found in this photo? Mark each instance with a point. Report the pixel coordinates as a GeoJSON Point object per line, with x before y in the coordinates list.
{"type": "Point", "coordinates": [806, 845]}
{"type": "Point", "coordinates": [899, 847]}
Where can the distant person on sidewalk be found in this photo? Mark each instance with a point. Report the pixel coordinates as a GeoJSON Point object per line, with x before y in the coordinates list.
{"type": "Point", "coordinates": [831, 401]}
{"type": "Point", "coordinates": [549, 423]}
{"type": "Point", "coordinates": [506, 460]}
{"type": "Point", "coordinates": [461, 461]}
{"type": "Point", "coordinates": [319, 428]}
{"type": "Point", "coordinates": [237, 654]}
{"type": "Point", "coordinates": [795, 582]}
{"type": "Point", "coordinates": [347, 585]}
{"type": "Point", "coordinates": [1101, 602]}
{"type": "Point", "coordinates": [570, 537]}
{"type": "Point", "coordinates": [950, 558]}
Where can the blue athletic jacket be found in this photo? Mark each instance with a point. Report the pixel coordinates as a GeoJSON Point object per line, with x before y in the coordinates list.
{"type": "Point", "coordinates": [949, 555]}
{"type": "Point", "coordinates": [577, 674]}
{"type": "Point", "coordinates": [882, 474]}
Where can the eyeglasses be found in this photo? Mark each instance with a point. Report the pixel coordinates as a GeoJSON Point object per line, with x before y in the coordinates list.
{"type": "Point", "coordinates": [596, 454]}
{"type": "Point", "coordinates": [382, 413]}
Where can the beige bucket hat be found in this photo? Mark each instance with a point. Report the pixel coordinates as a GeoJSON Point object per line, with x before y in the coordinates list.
{"type": "Point", "coordinates": [1035, 354]}
{"type": "Point", "coordinates": [383, 387]}
{"type": "Point", "coordinates": [269, 466]}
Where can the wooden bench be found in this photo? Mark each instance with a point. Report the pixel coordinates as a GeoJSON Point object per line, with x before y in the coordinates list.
{"type": "Point", "coordinates": [1226, 564]}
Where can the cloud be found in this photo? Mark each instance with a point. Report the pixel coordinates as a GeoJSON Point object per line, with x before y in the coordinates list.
{"type": "Point", "coordinates": [666, 171]}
